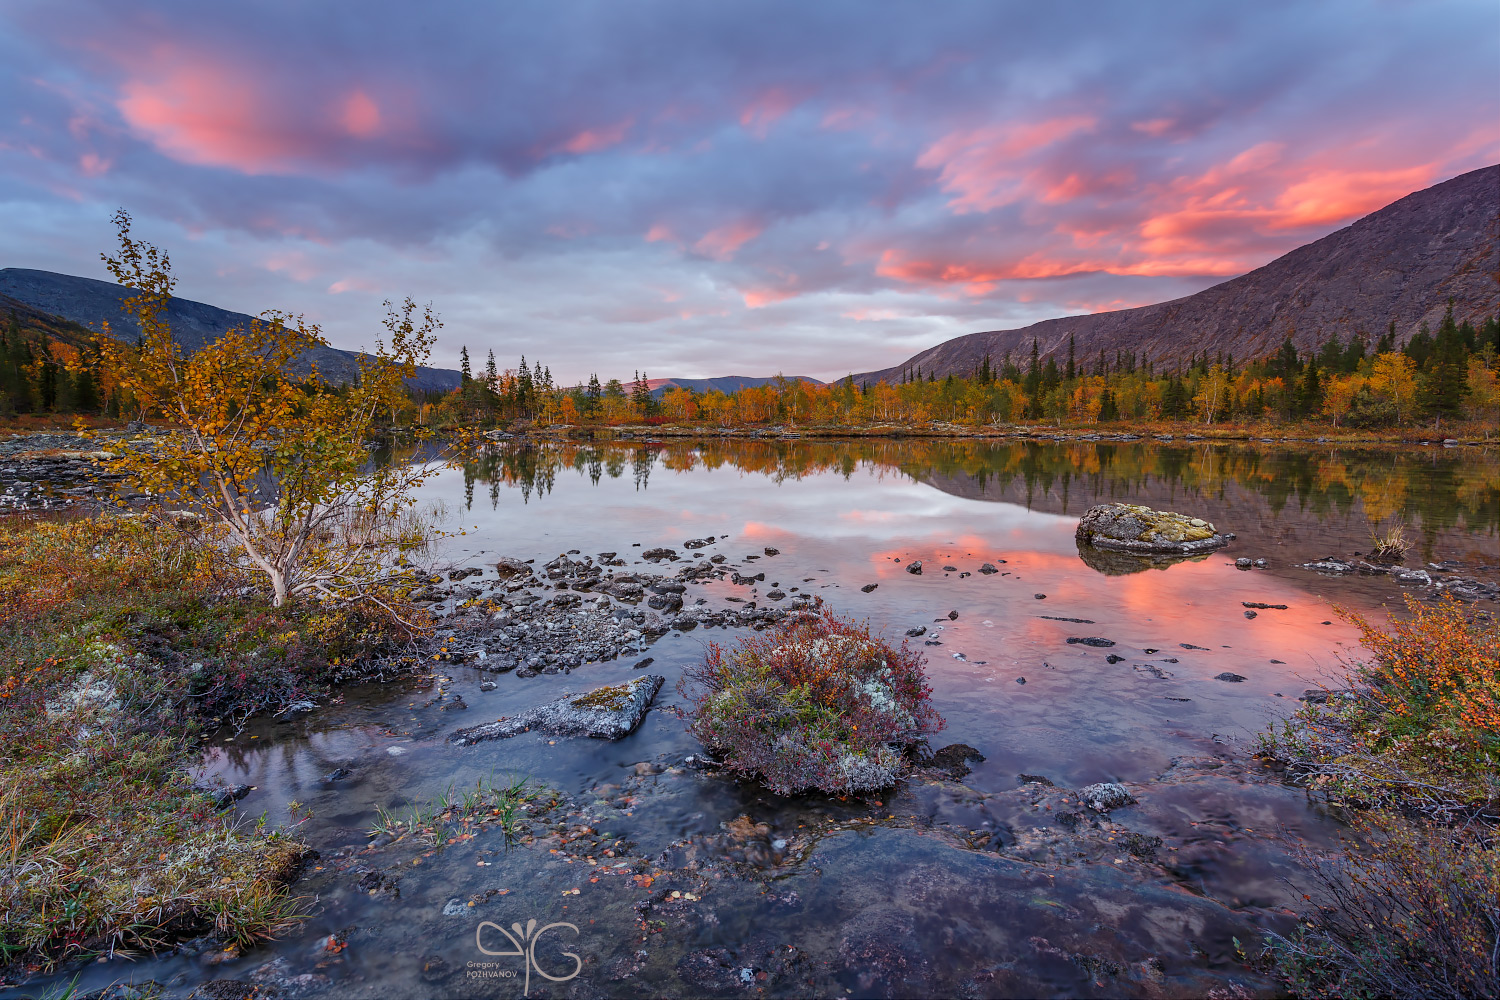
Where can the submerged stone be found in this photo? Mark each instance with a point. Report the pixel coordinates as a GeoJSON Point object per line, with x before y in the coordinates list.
{"type": "Point", "coordinates": [1105, 795]}
{"type": "Point", "coordinates": [607, 713]}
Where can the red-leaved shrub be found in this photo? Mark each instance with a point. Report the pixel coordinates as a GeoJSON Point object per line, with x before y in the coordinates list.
{"type": "Point", "coordinates": [818, 704]}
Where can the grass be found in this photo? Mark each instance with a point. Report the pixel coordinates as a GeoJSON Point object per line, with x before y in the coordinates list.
{"type": "Point", "coordinates": [1391, 546]}
{"type": "Point", "coordinates": [460, 813]}
{"type": "Point", "coordinates": [123, 642]}
{"type": "Point", "coordinates": [1412, 907]}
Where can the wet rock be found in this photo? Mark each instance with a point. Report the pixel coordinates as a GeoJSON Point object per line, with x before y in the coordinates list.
{"type": "Point", "coordinates": [1105, 795]}
{"type": "Point", "coordinates": [1075, 621]}
{"type": "Point", "coordinates": [455, 907]}
{"type": "Point", "coordinates": [869, 587]}
{"type": "Point", "coordinates": [950, 569]}
{"type": "Point", "coordinates": [989, 569]}
{"type": "Point", "coordinates": [508, 566]}
{"type": "Point", "coordinates": [1153, 670]}
{"type": "Point", "coordinates": [643, 664]}
{"type": "Point", "coordinates": [1188, 645]}
{"type": "Point", "coordinates": [918, 630]}
{"type": "Point", "coordinates": [222, 796]}
{"type": "Point", "coordinates": [1330, 565]}
{"type": "Point", "coordinates": [1243, 562]}
{"type": "Point", "coordinates": [1020, 680]}
{"type": "Point", "coordinates": [337, 774]}
{"type": "Point", "coordinates": [1263, 607]}
{"type": "Point", "coordinates": [775, 595]}
{"type": "Point", "coordinates": [1091, 640]}
{"type": "Point", "coordinates": [1251, 614]}
{"type": "Point", "coordinates": [1034, 779]}
{"type": "Point", "coordinates": [658, 554]}
{"type": "Point", "coordinates": [914, 567]}
{"type": "Point", "coordinates": [486, 685]}
{"type": "Point", "coordinates": [1040, 597]}
{"type": "Point", "coordinates": [710, 971]}
{"type": "Point", "coordinates": [1322, 696]}
{"type": "Point", "coordinates": [610, 712]}
{"type": "Point", "coordinates": [1113, 658]}
{"type": "Point", "coordinates": [954, 759]}
{"type": "Point", "coordinates": [1229, 677]}
{"type": "Point", "coordinates": [434, 969]}
{"type": "Point", "coordinates": [230, 989]}
{"type": "Point", "coordinates": [1133, 528]}
{"type": "Point", "coordinates": [772, 552]}
{"type": "Point", "coordinates": [696, 543]}
{"type": "Point", "coordinates": [953, 616]}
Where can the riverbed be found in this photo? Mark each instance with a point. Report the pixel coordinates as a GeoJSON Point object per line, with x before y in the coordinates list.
{"type": "Point", "coordinates": [983, 875]}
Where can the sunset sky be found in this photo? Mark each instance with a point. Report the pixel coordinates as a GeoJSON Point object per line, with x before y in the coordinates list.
{"type": "Point", "coordinates": [700, 189]}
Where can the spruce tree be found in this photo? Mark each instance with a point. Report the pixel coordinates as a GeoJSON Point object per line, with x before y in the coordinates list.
{"type": "Point", "coordinates": [465, 376]}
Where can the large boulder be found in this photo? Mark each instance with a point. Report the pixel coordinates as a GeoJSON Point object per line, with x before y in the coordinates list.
{"type": "Point", "coordinates": [1126, 527]}
{"type": "Point", "coordinates": [607, 713]}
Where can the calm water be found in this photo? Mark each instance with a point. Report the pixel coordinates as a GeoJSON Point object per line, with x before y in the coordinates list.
{"type": "Point", "coordinates": [943, 888]}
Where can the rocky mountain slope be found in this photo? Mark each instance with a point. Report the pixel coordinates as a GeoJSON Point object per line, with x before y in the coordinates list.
{"type": "Point", "coordinates": [1402, 263]}
{"type": "Point", "coordinates": [89, 302]}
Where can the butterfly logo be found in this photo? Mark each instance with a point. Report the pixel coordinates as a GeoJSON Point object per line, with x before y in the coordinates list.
{"type": "Point", "coordinates": [524, 940]}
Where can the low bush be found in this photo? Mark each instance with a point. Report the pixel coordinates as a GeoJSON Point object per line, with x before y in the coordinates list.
{"type": "Point", "coordinates": [1412, 908]}
{"type": "Point", "coordinates": [1419, 725]}
{"type": "Point", "coordinates": [123, 641]}
{"type": "Point", "coordinates": [817, 704]}
{"type": "Point", "coordinates": [1412, 912]}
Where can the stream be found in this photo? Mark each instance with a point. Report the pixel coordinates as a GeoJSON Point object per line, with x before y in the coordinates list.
{"type": "Point", "coordinates": [982, 875]}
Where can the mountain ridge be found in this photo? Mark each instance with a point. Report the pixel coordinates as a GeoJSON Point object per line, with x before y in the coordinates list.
{"type": "Point", "coordinates": [1402, 262]}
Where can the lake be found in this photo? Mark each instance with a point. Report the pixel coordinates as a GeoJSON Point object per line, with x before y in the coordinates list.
{"type": "Point", "coordinates": [990, 881]}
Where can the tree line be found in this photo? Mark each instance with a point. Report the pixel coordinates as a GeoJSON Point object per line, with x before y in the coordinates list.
{"type": "Point", "coordinates": [1448, 375]}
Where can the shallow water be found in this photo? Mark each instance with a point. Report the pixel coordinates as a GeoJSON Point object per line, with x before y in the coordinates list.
{"type": "Point", "coordinates": [942, 888]}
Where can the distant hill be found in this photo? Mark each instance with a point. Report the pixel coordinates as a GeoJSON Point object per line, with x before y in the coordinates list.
{"type": "Point", "coordinates": [88, 303]}
{"type": "Point", "coordinates": [1402, 263]}
{"type": "Point", "coordinates": [724, 383]}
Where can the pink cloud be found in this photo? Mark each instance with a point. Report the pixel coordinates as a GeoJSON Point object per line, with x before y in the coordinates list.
{"type": "Point", "coordinates": [759, 298]}
{"type": "Point", "coordinates": [593, 140]}
{"type": "Point", "coordinates": [661, 233]}
{"type": "Point", "coordinates": [982, 168]}
{"type": "Point", "coordinates": [765, 110]}
{"type": "Point", "coordinates": [360, 115]}
{"type": "Point", "coordinates": [725, 241]}
{"type": "Point", "coordinates": [209, 114]}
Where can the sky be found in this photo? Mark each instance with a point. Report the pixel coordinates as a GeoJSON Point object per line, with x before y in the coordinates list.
{"type": "Point", "coordinates": [722, 188]}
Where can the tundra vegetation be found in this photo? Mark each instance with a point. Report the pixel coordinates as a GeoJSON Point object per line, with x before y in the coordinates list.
{"type": "Point", "coordinates": [1411, 749]}
{"type": "Point", "coordinates": [819, 704]}
{"type": "Point", "coordinates": [131, 635]}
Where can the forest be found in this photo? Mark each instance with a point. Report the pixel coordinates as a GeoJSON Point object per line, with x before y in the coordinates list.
{"type": "Point", "coordinates": [1449, 375]}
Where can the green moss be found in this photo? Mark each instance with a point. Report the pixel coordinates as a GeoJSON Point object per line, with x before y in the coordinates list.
{"type": "Point", "coordinates": [613, 698]}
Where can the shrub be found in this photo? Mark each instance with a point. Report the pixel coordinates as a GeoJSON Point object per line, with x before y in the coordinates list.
{"type": "Point", "coordinates": [818, 704]}
{"type": "Point", "coordinates": [1420, 726]}
{"type": "Point", "coordinates": [1417, 916]}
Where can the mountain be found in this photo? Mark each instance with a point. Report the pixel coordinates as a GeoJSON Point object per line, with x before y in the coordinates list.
{"type": "Point", "coordinates": [724, 383]}
{"type": "Point", "coordinates": [88, 302]}
{"type": "Point", "coordinates": [1402, 263]}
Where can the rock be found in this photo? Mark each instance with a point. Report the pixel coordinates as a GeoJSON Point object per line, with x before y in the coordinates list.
{"type": "Point", "coordinates": [508, 566]}
{"type": "Point", "coordinates": [1243, 562]}
{"type": "Point", "coordinates": [775, 595]}
{"type": "Point", "coordinates": [954, 760]}
{"type": "Point", "coordinates": [337, 774]}
{"type": "Point", "coordinates": [1133, 528]}
{"type": "Point", "coordinates": [1263, 607]}
{"type": "Point", "coordinates": [692, 543]}
{"type": "Point", "coordinates": [455, 907]}
{"type": "Point", "coordinates": [1113, 658]}
{"type": "Point", "coordinates": [988, 569]}
{"type": "Point", "coordinates": [1261, 564]}
{"type": "Point", "coordinates": [1230, 677]}
{"type": "Point", "coordinates": [657, 555]}
{"type": "Point", "coordinates": [1251, 614]}
{"type": "Point", "coordinates": [1034, 779]}
{"type": "Point", "coordinates": [222, 796]}
{"type": "Point", "coordinates": [486, 685]}
{"type": "Point", "coordinates": [772, 552]}
{"type": "Point", "coordinates": [229, 989]}
{"type": "Point", "coordinates": [918, 630]}
{"type": "Point", "coordinates": [1091, 640]}
{"type": "Point", "coordinates": [610, 713]}
{"type": "Point", "coordinates": [914, 567]}
{"type": "Point", "coordinates": [950, 569]}
{"type": "Point", "coordinates": [869, 587]}
{"type": "Point", "coordinates": [1322, 696]}
{"type": "Point", "coordinates": [1040, 597]}
{"type": "Point", "coordinates": [1020, 680]}
{"type": "Point", "coordinates": [953, 616]}
{"type": "Point", "coordinates": [1105, 795]}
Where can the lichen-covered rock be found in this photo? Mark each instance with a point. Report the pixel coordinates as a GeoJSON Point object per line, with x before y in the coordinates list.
{"type": "Point", "coordinates": [606, 713]}
{"type": "Point", "coordinates": [1129, 527]}
{"type": "Point", "coordinates": [1106, 795]}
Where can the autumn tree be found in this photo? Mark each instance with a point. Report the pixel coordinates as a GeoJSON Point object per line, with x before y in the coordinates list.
{"type": "Point", "coordinates": [276, 458]}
